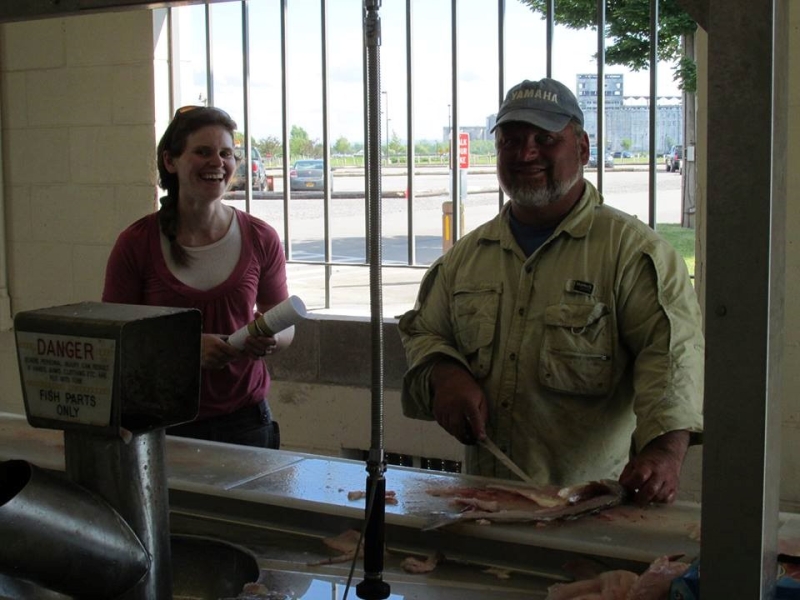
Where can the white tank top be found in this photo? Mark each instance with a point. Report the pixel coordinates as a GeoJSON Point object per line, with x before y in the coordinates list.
{"type": "Point", "coordinates": [208, 265]}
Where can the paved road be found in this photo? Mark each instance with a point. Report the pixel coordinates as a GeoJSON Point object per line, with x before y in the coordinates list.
{"type": "Point", "coordinates": [347, 224]}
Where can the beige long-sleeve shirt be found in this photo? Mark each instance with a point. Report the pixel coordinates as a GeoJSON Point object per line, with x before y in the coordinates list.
{"type": "Point", "coordinates": [590, 345]}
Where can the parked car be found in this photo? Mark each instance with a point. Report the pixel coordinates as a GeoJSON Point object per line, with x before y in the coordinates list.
{"type": "Point", "coordinates": [239, 179]}
{"type": "Point", "coordinates": [673, 158]}
{"type": "Point", "coordinates": [608, 159]}
{"type": "Point", "coordinates": [308, 174]}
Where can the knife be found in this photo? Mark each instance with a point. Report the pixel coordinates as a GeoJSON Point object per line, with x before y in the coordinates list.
{"type": "Point", "coordinates": [510, 464]}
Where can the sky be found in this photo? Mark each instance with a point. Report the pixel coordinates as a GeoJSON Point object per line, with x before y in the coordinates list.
{"type": "Point", "coordinates": [478, 95]}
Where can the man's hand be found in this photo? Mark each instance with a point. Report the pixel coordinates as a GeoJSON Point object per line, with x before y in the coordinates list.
{"type": "Point", "coordinates": [459, 405]}
{"type": "Point", "coordinates": [653, 474]}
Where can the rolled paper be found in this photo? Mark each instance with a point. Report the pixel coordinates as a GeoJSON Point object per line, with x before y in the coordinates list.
{"type": "Point", "coordinates": [281, 316]}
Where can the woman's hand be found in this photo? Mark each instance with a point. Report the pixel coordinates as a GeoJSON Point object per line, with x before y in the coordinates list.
{"type": "Point", "coordinates": [216, 352]}
{"type": "Point", "coordinates": [261, 346]}
{"type": "Point", "coordinates": [257, 346]}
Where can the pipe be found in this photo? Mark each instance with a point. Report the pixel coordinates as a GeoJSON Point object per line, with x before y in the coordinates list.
{"type": "Point", "coordinates": [59, 535]}
{"type": "Point", "coordinates": [132, 478]}
{"type": "Point", "coordinates": [373, 587]}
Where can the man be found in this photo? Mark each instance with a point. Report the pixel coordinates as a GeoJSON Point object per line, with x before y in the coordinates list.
{"type": "Point", "coordinates": [565, 330]}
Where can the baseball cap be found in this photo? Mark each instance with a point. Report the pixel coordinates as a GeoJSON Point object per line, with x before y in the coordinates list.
{"type": "Point", "coordinates": [546, 103]}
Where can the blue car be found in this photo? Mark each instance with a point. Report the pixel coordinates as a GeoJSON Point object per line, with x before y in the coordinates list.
{"type": "Point", "coordinates": [308, 174]}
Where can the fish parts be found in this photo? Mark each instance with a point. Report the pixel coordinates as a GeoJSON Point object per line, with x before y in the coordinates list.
{"type": "Point", "coordinates": [501, 503]}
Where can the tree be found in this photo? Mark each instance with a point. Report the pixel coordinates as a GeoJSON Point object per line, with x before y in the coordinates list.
{"type": "Point", "coordinates": [482, 146]}
{"type": "Point", "coordinates": [299, 143]}
{"type": "Point", "coordinates": [342, 146]}
{"type": "Point", "coordinates": [269, 146]}
{"type": "Point", "coordinates": [628, 26]}
{"type": "Point", "coordinates": [395, 145]}
{"type": "Point", "coordinates": [424, 147]}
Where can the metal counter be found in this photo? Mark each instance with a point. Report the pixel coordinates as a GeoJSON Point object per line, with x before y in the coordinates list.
{"type": "Point", "coordinates": [280, 505]}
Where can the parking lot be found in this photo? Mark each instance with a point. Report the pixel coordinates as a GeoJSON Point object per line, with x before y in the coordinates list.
{"type": "Point", "coordinates": [624, 188]}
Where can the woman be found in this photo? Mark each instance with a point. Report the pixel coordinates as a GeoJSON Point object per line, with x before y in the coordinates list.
{"type": "Point", "coordinates": [197, 252]}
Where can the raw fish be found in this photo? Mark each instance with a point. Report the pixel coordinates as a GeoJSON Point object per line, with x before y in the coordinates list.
{"type": "Point", "coordinates": [516, 504]}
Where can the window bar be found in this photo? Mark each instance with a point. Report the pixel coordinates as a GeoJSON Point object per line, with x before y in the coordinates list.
{"type": "Point", "coordinates": [367, 166]}
{"type": "Point", "coordinates": [410, 154]}
{"type": "Point", "coordinates": [651, 217]}
{"type": "Point", "coordinates": [171, 42]}
{"type": "Point", "coordinates": [285, 123]}
{"type": "Point", "coordinates": [455, 170]}
{"type": "Point", "coordinates": [209, 62]}
{"type": "Point", "coordinates": [326, 155]}
{"type": "Point", "coordinates": [550, 34]}
{"type": "Point", "coordinates": [248, 150]}
{"type": "Point", "coordinates": [501, 71]}
{"type": "Point", "coordinates": [600, 142]}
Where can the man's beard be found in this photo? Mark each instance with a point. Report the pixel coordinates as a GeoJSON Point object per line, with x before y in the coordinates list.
{"type": "Point", "coordinates": [539, 197]}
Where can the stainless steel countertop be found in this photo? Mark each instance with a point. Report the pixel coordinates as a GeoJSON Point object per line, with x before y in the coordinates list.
{"type": "Point", "coordinates": [314, 484]}
{"type": "Point", "coordinates": [255, 493]}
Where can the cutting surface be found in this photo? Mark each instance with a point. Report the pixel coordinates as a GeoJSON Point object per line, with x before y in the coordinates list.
{"type": "Point", "coordinates": [320, 485]}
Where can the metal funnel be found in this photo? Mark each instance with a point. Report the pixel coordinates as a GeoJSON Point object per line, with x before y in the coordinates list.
{"type": "Point", "coordinates": [59, 535]}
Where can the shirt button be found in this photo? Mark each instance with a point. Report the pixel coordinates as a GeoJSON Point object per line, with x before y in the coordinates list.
{"type": "Point", "coordinates": [521, 311]}
{"type": "Point", "coordinates": [528, 269]}
{"type": "Point", "coordinates": [512, 356]}
{"type": "Point", "coordinates": [504, 404]}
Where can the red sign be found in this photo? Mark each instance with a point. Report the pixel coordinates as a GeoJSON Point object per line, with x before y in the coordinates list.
{"type": "Point", "coordinates": [463, 151]}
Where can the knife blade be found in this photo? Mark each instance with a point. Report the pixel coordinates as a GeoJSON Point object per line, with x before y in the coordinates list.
{"type": "Point", "coordinates": [510, 464]}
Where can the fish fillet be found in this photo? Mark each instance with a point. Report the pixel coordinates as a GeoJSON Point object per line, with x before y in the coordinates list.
{"type": "Point", "coordinates": [515, 504]}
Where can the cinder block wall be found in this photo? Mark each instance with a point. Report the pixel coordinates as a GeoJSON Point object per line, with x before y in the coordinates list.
{"type": "Point", "coordinates": [78, 148]}
{"type": "Point", "coordinates": [323, 399]}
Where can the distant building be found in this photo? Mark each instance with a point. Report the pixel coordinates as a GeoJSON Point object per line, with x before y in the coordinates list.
{"type": "Point", "coordinates": [632, 124]}
{"type": "Point", "coordinates": [476, 132]}
{"type": "Point", "coordinates": [627, 118]}
{"type": "Point", "coordinates": [586, 91]}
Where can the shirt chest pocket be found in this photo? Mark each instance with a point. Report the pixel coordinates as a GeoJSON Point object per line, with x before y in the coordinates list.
{"type": "Point", "coordinates": [475, 313]}
{"type": "Point", "coordinates": [577, 351]}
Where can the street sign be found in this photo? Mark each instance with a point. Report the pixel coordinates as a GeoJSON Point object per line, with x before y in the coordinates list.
{"type": "Point", "coordinates": [463, 151]}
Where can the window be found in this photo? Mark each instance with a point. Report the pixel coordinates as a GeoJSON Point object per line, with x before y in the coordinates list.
{"type": "Point", "coordinates": [231, 54]}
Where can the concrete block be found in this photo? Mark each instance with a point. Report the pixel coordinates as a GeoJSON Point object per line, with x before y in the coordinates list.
{"type": "Point", "coordinates": [39, 156]}
{"type": "Point", "coordinates": [89, 268]}
{"type": "Point", "coordinates": [131, 95]}
{"type": "Point", "coordinates": [14, 97]}
{"type": "Point", "coordinates": [71, 97]}
{"type": "Point", "coordinates": [104, 155]}
{"type": "Point", "coordinates": [18, 213]}
{"type": "Point", "coordinates": [73, 213]}
{"type": "Point", "coordinates": [132, 203]}
{"type": "Point", "coordinates": [300, 361]}
{"type": "Point", "coordinates": [40, 274]}
{"type": "Point", "coordinates": [10, 384]}
{"type": "Point", "coordinates": [110, 38]}
{"type": "Point", "coordinates": [38, 44]}
{"type": "Point", "coordinates": [346, 352]}
{"type": "Point", "coordinates": [335, 420]}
